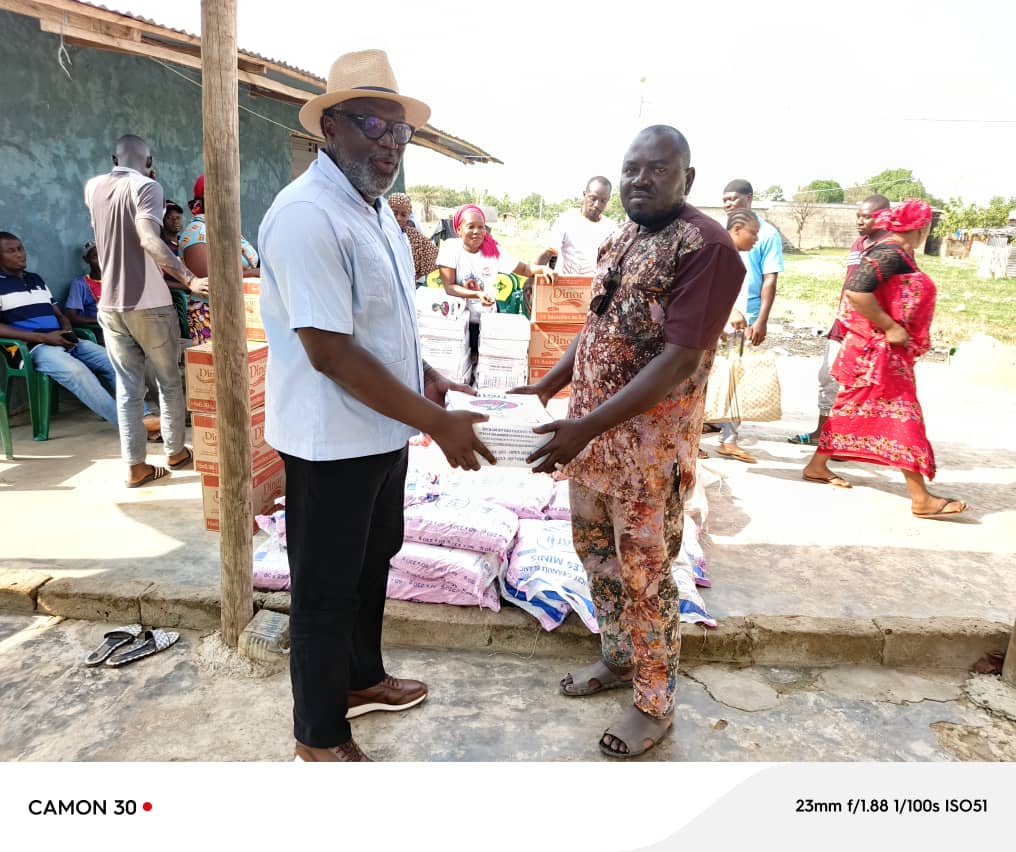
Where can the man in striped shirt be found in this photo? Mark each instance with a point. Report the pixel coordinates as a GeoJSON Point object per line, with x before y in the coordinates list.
{"type": "Point", "coordinates": [28, 313]}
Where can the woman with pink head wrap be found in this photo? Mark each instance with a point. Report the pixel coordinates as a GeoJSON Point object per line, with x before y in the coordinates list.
{"type": "Point", "coordinates": [886, 314]}
{"type": "Point", "coordinates": [471, 263]}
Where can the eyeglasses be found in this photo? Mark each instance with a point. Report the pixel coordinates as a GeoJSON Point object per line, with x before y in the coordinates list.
{"type": "Point", "coordinates": [374, 128]}
{"type": "Point", "coordinates": [611, 282]}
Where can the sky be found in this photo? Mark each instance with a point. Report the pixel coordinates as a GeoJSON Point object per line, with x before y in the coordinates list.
{"type": "Point", "coordinates": [777, 93]}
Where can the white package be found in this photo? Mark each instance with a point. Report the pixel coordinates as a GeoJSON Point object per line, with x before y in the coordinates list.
{"type": "Point", "coordinates": [508, 433]}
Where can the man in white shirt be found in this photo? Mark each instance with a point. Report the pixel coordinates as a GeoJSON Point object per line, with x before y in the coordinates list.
{"type": "Point", "coordinates": [346, 389]}
{"type": "Point", "coordinates": [577, 234]}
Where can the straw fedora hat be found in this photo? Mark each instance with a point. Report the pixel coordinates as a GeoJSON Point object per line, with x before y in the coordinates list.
{"type": "Point", "coordinates": [363, 74]}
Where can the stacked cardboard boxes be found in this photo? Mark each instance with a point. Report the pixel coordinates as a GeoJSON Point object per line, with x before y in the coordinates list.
{"type": "Point", "coordinates": [504, 347]}
{"type": "Point", "coordinates": [267, 471]}
{"type": "Point", "coordinates": [444, 333]}
{"type": "Point", "coordinates": [559, 312]}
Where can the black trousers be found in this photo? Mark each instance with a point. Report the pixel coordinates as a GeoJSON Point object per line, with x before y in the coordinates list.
{"type": "Point", "coordinates": [343, 525]}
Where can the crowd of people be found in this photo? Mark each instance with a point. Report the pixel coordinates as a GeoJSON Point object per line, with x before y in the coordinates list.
{"type": "Point", "coordinates": [339, 266]}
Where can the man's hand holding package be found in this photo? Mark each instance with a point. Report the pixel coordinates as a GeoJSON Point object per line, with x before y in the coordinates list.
{"type": "Point", "coordinates": [458, 440]}
{"type": "Point", "coordinates": [570, 439]}
{"type": "Point", "coordinates": [436, 385]}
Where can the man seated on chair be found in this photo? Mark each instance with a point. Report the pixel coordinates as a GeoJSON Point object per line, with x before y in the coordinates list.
{"type": "Point", "coordinates": [28, 313]}
{"type": "Point", "coordinates": [81, 306]}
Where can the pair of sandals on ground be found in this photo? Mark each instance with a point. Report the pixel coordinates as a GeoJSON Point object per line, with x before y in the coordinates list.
{"type": "Point", "coordinates": [140, 643]}
{"type": "Point", "coordinates": [636, 732]}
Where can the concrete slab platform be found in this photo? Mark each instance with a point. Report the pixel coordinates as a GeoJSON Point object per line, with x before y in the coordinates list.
{"type": "Point", "coordinates": [777, 547]}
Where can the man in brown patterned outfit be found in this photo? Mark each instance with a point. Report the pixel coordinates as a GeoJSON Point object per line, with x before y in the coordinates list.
{"type": "Point", "coordinates": [664, 287]}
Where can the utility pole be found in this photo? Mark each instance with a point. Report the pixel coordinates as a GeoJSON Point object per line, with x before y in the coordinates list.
{"type": "Point", "coordinates": [220, 116]}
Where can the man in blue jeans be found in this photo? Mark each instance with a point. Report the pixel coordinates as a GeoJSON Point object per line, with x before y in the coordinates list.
{"type": "Point", "coordinates": [136, 310]}
{"type": "Point", "coordinates": [28, 313]}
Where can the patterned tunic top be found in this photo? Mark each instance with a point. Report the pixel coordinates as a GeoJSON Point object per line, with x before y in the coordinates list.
{"type": "Point", "coordinates": [424, 253]}
{"type": "Point", "coordinates": [677, 286]}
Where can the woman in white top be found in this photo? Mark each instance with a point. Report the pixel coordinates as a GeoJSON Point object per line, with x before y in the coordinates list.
{"type": "Point", "coordinates": [470, 265]}
{"type": "Point", "coordinates": [743, 229]}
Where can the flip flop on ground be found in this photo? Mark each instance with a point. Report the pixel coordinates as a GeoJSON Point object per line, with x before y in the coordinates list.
{"type": "Point", "coordinates": [186, 460]}
{"type": "Point", "coordinates": [944, 511]}
{"type": "Point", "coordinates": [592, 679]}
{"type": "Point", "coordinates": [148, 643]}
{"type": "Point", "coordinates": [115, 638]}
{"type": "Point", "coordinates": [831, 479]}
{"type": "Point", "coordinates": [736, 453]}
{"type": "Point", "coordinates": [156, 473]}
{"type": "Point", "coordinates": [804, 439]}
{"type": "Point", "coordinates": [634, 734]}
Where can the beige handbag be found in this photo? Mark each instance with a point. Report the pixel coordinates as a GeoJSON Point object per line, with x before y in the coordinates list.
{"type": "Point", "coordinates": [743, 386]}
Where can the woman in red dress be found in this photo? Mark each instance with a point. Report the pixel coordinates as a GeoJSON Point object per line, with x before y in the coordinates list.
{"type": "Point", "coordinates": [886, 310]}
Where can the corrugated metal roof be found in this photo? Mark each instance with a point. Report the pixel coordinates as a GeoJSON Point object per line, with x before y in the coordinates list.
{"type": "Point", "coordinates": [246, 53]}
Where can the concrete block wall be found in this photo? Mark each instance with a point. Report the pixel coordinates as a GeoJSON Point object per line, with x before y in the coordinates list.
{"type": "Point", "coordinates": [56, 133]}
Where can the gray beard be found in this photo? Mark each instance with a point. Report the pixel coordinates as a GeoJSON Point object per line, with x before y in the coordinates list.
{"type": "Point", "coordinates": [364, 178]}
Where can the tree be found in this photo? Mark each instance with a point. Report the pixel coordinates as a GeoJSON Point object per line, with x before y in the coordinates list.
{"type": "Point", "coordinates": [614, 209]}
{"type": "Point", "coordinates": [821, 192]}
{"type": "Point", "coordinates": [427, 196]}
{"type": "Point", "coordinates": [802, 210]}
{"type": "Point", "coordinates": [773, 193]}
{"type": "Point", "coordinates": [958, 216]}
{"type": "Point", "coordinates": [894, 184]}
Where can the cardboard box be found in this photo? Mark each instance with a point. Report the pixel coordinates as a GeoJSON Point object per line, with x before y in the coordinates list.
{"type": "Point", "coordinates": [205, 437]}
{"type": "Point", "coordinates": [549, 342]}
{"type": "Point", "coordinates": [268, 483]}
{"type": "Point", "coordinates": [500, 382]}
{"type": "Point", "coordinates": [433, 303]}
{"type": "Point", "coordinates": [508, 433]}
{"type": "Point", "coordinates": [564, 301]}
{"type": "Point", "coordinates": [504, 327]}
{"type": "Point", "coordinates": [537, 373]}
{"type": "Point", "coordinates": [252, 309]}
{"type": "Point", "coordinates": [201, 376]}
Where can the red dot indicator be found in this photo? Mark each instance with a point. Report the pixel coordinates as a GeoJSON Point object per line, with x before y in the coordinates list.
{"type": "Point", "coordinates": [147, 806]}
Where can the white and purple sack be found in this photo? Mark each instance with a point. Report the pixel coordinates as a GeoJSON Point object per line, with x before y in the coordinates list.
{"type": "Point", "coordinates": [421, 486]}
{"type": "Point", "coordinates": [693, 607]}
{"type": "Point", "coordinates": [435, 563]}
{"type": "Point", "coordinates": [271, 561]}
{"type": "Point", "coordinates": [692, 555]}
{"type": "Point", "coordinates": [523, 492]}
{"type": "Point", "coordinates": [403, 586]}
{"type": "Point", "coordinates": [545, 576]}
{"type": "Point", "coordinates": [462, 522]}
{"type": "Point", "coordinates": [559, 508]}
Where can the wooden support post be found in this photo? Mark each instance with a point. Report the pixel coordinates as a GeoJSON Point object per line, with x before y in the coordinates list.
{"type": "Point", "coordinates": [232, 395]}
{"type": "Point", "coordinates": [1009, 667]}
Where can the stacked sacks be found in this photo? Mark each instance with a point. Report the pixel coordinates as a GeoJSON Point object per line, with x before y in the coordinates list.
{"type": "Point", "coordinates": [444, 333]}
{"type": "Point", "coordinates": [455, 547]}
{"type": "Point", "coordinates": [504, 352]}
{"type": "Point", "coordinates": [545, 577]}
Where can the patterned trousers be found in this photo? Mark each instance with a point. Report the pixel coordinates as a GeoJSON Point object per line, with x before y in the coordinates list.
{"type": "Point", "coordinates": [626, 548]}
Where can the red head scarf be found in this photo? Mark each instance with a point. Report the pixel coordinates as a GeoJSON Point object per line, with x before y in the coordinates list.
{"type": "Point", "coordinates": [197, 203]}
{"type": "Point", "coordinates": [912, 215]}
{"type": "Point", "coordinates": [489, 247]}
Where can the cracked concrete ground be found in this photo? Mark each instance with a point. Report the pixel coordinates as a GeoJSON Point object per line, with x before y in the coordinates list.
{"type": "Point", "coordinates": [199, 702]}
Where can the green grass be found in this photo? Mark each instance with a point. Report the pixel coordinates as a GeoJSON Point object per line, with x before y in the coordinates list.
{"type": "Point", "coordinates": [809, 288]}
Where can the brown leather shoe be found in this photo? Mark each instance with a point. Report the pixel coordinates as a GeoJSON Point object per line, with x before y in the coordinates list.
{"type": "Point", "coordinates": [391, 694]}
{"type": "Point", "coordinates": [348, 752]}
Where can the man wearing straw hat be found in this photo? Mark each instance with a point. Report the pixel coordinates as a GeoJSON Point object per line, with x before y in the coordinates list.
{"type": "Point", "coordinates": [346, 389]}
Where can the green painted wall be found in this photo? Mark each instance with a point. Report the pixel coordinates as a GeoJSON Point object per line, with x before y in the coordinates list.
{"type": "Point", "coordinates": [56, 133]}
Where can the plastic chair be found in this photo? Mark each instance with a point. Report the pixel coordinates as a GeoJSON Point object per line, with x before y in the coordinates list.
{"type": "Point", "coordinates": [5, 425]}
{"type": "Point", "coordinates": [42, 392]}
